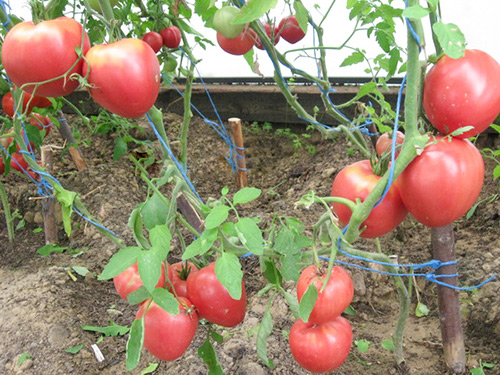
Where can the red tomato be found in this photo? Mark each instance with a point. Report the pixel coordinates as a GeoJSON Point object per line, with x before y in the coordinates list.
{"type": "Point", "coordinates": [125, 76]}
{"type": "Point", "coordinates": [212, 300]}
{"type": "Point", "coordinates": [238, 45]}
{"type": "Point", "coordinates": [463, 92]}
{"type": "Point", "coordinates": [384, 142]}
{"type": "Point", "coordinates": [37, 53]}
{"type": "Point", "coordinates": [154, 40]}
{"type": "Point", "coordinates": [18, 162]}
{"type": "Point", "coordinates": [171, 37]}
{"type": "Point", "coordinates": [223, 22]}
{"type": "Point", "coordinates": [168, 336]}
{"type": "Point", "coordinates": [290, 30]}
{"type": "Point", "coordinates": [272, 33]}
{"type": "Point", "coordinates": [43, 102]}
{"type": "Point", "coordinates": [2, 166]}
{"type": "Point", "coordinates": [321, 348]}
{"type": "Point", "coordinates": [8, 104]}
{"type": "Point", "coordinates": [332, 301]}
{"type": "Point", "coordinates": [442, 184]}
{"type": "Point", "coordinates": [129, 280]}
{"type": "Point", "coordinates": [357, 181]}
{"type": "Point", "coordinates": [41, 122]}
{"type": "Point", "coordinates": [180, 272]}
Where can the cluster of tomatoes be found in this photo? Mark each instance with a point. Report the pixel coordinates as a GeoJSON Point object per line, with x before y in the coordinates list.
{"type": "Point", "coordinates": [323, 343]}
{"type": "Point", "coordinates": [238, 39]}
{"type": "Point", "coordinates": [169, 37]}
{"type": "Point", "coordinates": [461, 98]}
{"type": "Point", "coordinates": [199, 294]}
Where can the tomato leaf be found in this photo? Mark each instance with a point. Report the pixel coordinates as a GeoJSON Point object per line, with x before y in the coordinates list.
{"type": "Point", "coordinates": [350, 310]}
{"type": "Point", "coordinates": [362, 345]}
{"type": "Point", "coordinates": [249, 59]}
{"type": "Point", "coordinates": [354, 58]}
{"type": "Point", "coordinates": [229, 229]}
{"type": "Point", "coordinates": [217, 337]}
{"type": "Point", "coordinates": [74, 349]}
{"type": "Point", "coordinates": [216, 217]}
{"type": "Point", "coordinates": [120, 148]}
{"type": "Point", "coordinates": [450, 38]}
{"type": "Point", "coordinates": [307, 302]}
{"type": "Point", "coordinates": [119, 262]}
{"type": "Point", "coordinates": [166, 301]}
{"type": "Point", "coordinates": [496, 172]}
{"type": "Point", "coordinates": [82, 271]}
{"type": "Point", "coordinates": [154, 212]}
{"type": "Point", "coordinates": [415, 12]}
{"type": "Point", "coordinates": [150, 369]}
{"type": "Point", "coordinates": [67, 199]}
{"type": "Point", "coordinates": [301, 15]}
{"type": "Point", "coordinates": [245, 195]}
{"type": "Point", "coordinates": [23, 357]}
{"type": "Point", "coordinates": [388, 345]}
{"type": "Point", "coordinates": [292, 303]}
{"type": "Point", "coordinates": [51, 248]}
{"type": "Point", "coordinates": [250, 235]}
{"type": "Point", "coordinates": [265, 330]}
{"type": "Point", "coordinates": [160, 238]}
{"type": "Point", "coordinates": [253, 10]}
{"type": "Point", "coordinates": [207, 353]}
{"type": "Point", "coordinates": [112, 330]}
{"type": "Point", "coordinates": [270, 272]}
{"type": "Point", "coordinates": [201, 245]}
{"type": "Point", "coordinates": [229, 273]}
{"type": "Point", "coordinates": [136, 223]}
{"type": "Point", "coordinates": [135, 343]}
{"type": "Point", "coordinates": [149, 268]}
{"type": "Point", "coordinates": [461, 130]}
{"type": "Point", "coordinates": [138, 296]}
{"type": "Point", "coordinates": [421, 310]}
{"type": "Point", "coordinates": [290, 267]}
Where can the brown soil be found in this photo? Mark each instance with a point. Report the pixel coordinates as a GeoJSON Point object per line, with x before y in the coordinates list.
{"type": "Point", "coordinates": [42, 308]}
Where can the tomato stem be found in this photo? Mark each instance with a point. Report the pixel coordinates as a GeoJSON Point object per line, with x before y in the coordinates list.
{"type": "Point", "coordinates": [7, 213]}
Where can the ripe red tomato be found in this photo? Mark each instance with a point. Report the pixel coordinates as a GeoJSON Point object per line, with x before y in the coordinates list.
{"type": "Point", "coordinates": [332, 301]}
{"type": "Point", "coordinates": [238, 45]}
{"type": "Point", "coordinates": [290, 30]}
{"type": "Point", "coordinates": [37, 53]}
{"type": "Point", "coordinates": [212, 300]}
{"type": "Point", "coordinates": [463, 92]}
{"type": "Point", "coordinates": [222, 22]}
{"type": "Point", "coordinates": [129, 280]}
{"type": "Point", "coordinates": [28, 102]}
{"type": "Point", "coordinates": [168, 336]}
{"type": "Point", "coordinates": [18, 162]}
{"type": "Point", "coordinates": [323, 347]}
{"type": "Point", "coordinates": [272, 33]}
{"type": "Point", "coordinates": [2, 166]}
{"type": "Point", "coordinates": [442, 184]}
{"type": "Point", "coordinates": [124, 76]}
{"type": "Point", "coordinates": [357, 181]}
{"type": "Point", "coordinates": [384, 142]}
{"type": "Point", "coordinates": [171, 37]}
{"type": "Point", "coordinates": [180, 272]}
{"type": "Point", "coordinates": [41, 122]}
{"type": "Point", "coordinates": [43, 102]}
{"type": "Point", "coordinates": [154, 40]}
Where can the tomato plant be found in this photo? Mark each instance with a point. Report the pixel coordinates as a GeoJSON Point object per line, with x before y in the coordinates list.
{"type": "Point", "coordinates": [212, 300]}
{"type": "Point", "coordinates": [168, 336]}
{"type": "Point", "coordinates": [222, 22]}
{"type": "Point", "coordinates": [171, 36]}
{"type": "Point", "coordinates": [271, 33]}
{"type": "Point", "coordinates": [8, 104]}
{"type": "Point", "coordinates": [124, 76]}
{"type": "Point", "coordinates": [129, 280]}
{"type": "Point", "coordinates": [384, 142]}
{"type": "Point", "coordinates": [154, 40]}
{"type": "Point", "coordinates": [37, 53]}
{"type": "Point", "coordinates": [442, 184]}
{"type": "Point", "coordinates": [180, 272]}
{"type": "Point", "coordinates": [463, 92]}
{"type": "Point", "coordinates": [290, 30]}
{"type": "Point", "coordinates": [334, 299]}
{"type": "Point", "coordinates": [238, 45]}
{"type": "Point", "coordinates": [356, 181]}
{"type": "Point", "coordinates": [321, 347]}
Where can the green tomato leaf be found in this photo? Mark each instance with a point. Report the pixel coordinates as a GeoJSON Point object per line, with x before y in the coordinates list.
{"type": "Point", "coordinates": [290, 267]}
{"type": "Point", "coordinates": [496, 172]}
{"type": "Point", "coordinates": [362, 345]}
{"type": "Point", "coordinates": [166, 301]}
{"type": "Point", "coordinates": [136, 223]}
{"type": "Point", "coordinates": [160, 238]}
{"type": "Point", "coordinates": [245, 195]}
{"type": "Point", "coordinates": [154, 212]}
{"type": "Point", "coordinates": [265, 330]}
{"type": "Point", "coordinates": [249, 59]}
{"type": "Point", "coordinates": [207, 353]}
{"type": "Point", "coordinates": [67, 199]}
{"type": "Point", "coordinates": [451, 39]}
{"type": "Point", "coordinates": [134, 344]}
{"type": "Point", "coordinates": [350, 310]}
{"type": "Point", "coordinates": [74, 349]}
{"type": "Point", "coordinates": [82, 271]}
{"type": "Point", "coordinates": [120, 148]}
{"type": "Point", "coordinates": [292, 303]}
{"type": "Point", "coordinates": [415, 12]}
{"type": "Point", "coordinates": [254, 9]}
{"type": "Point", "coordinates": [201, 245]}
{"type": "Point", "coordinates": [461, 130]}
{"type": "Point", "coordinates": [270, 272]}
{"type": "Point", "coordinates": [250, 235]}
{"type": "Point", "coordinates": [112, 330]}
{"type": "Point", "coordinates": [149, 268]}
{"type": "Point", "coordinates": [119, 262]}
{"type": "Point", "coordinates": [307, 302]}
{"type": "Point", "coordinates": [138, 296]}
{"type": "Point", "coordinates": [229, 229]}
{"type": "Point", "coordinates": [388, 345]}
{"type": "Point", "coordinates": [421, 310]}
{"type": "Point", "coordinates": [229, 273]}
{"type": "Point", "coordinates": [216, 217]}
{"type": "Point", "coordinates": [23, 357]}
{"type": "Point", "coordinates": [150, 369]}
{"type": "Point", "coordinates": [302, 15]}
{"type": "Point", "coordinates": [354, 58]}
{"type": "Point", "coordinates": [51, 248]}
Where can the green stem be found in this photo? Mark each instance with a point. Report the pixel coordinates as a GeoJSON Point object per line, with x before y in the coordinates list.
{"type": "Point", "coordinates": [6, 20]}
{"type": "Point", "coordinates": [433, 18]}
{"type": "Point", "coordinates": [8, 216]}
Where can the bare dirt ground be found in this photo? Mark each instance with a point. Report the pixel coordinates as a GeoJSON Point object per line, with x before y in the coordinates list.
{"type": "Point", "coordinates": [42, 308]}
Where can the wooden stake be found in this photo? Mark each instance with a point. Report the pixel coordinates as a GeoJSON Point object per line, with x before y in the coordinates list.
{"type": "Point", "coordinates": [190, 213]}
{"type": "Point", "coordinates": [49, 205]}
{"type": "Point", "coordinates": [75, 153]}
{"type": "Point", "coordinates": [443, 249]}
{"type": "Point", "coordinates": [239, 152]}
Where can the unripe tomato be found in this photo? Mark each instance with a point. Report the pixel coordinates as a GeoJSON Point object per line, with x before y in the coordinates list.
{"type": "Point", "coordinates": [130, 280]}
{"type": "Point", "coordinates": [171, 37]}
{"type": "Point", "coordinates": [212, 300]}
{"type": "Point", "coordinates": [170, 64]}
{"type": "Point", "coordinates": [323, 347]}
{"type": "Point", "coordinates": [154, 40]}
{"type": "Point", "coordinates": [290, 30]}
{"type": "Point", "coordinates": [334, 299]}
{"type": "Point", "coordinates": [168, 336]}
{"type": "Point", "coordinates": [223, 19]}
{"type": "Point", "coordinates": [36, 53]}
{"type": "Point", "coordinates": [29, 102]}
{"type": "Point", "coordinates": [463, 92]}
{"type": "Point", "coordinates": [384, 142]}
{"type": "Point", "coordinates": [272, 33]}
{"type": "Point", "coordinates": [124, 76]}
{"type": "Point", "coordinates": [357, 181]}
{"type": "Point", "coordinates": [180, 272]}
{"type": "Point", "coordinates": [238, 45]}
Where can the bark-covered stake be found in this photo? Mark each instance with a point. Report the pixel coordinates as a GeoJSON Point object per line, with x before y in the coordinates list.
{"type": "Point", "coordinates": [443, 249]}
{"type": "Point", "coordinates": [48, 204]}
{"type": "Point", "coordinates": [239, 152]}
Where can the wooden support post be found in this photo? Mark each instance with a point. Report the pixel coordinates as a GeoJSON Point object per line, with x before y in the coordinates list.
{"type": "Point", "coordinates": [239, 152]}
{"type": "Point", "coordinates": [75, 153]}
{"type": "Point", "coordinates": [190, 213]}
{"type": "Point", "coordinates": [443, 249]}
{"type": "Point", "coordinates": [48, 204]}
